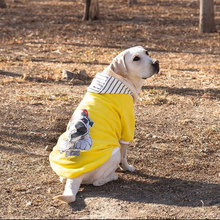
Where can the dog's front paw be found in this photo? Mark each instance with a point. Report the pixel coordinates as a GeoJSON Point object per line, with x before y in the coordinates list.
{"type": "Point", "coordinates": [127, 167]}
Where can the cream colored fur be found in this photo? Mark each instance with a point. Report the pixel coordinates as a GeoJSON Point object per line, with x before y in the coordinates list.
{"type": "Point", "coordinates": [132, 73]}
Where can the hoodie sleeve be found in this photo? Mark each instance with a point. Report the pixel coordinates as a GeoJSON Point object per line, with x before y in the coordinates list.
{"type": "Point", "coordinates": [127, 120]}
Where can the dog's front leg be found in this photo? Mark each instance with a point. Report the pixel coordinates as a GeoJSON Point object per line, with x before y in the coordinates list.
{"type": "Point", "coordinates": [124, 163]}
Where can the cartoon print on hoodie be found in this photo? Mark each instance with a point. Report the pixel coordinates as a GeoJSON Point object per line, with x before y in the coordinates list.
{"type": "Point", "coordinates": [77, 135]}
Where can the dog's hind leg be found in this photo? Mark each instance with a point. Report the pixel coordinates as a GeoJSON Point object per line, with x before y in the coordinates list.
{"type": "Point", "coordinates": [71, 189]}
{"type": "Point", "coordinates": [111, 177]}
{"type": "Point", "coordinates": [106, 172]}
{"type": "Point", "coordinates": [62, 180]}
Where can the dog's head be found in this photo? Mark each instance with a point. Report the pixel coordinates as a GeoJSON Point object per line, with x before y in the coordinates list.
{"type": "Point", "coordinates": [134, 62]}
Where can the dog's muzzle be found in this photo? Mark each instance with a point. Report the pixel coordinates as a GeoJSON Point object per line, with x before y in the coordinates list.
{"type": "Point", "coordinates": [156, 66]}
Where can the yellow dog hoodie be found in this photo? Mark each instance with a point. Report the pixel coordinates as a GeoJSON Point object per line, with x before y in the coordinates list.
{"type": "Point", "coordinates": [109, 104]}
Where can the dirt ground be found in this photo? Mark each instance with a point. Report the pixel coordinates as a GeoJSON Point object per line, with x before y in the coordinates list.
{"type": "Point", "coordinates": [176, 150]}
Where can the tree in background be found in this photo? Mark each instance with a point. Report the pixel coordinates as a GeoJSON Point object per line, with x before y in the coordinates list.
{"type": "Point", "coordinates": [91, 10]}
{"type": "Point", "coordinates": [132, 2]}
{"type": "Point", "coordinates": [2, 4]}
{"type": "Point", "coordinates": [206, 19]}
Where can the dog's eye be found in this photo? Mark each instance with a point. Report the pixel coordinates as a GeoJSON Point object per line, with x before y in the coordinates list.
{"type": "Point", "coordinates": [147, 52]}
{"type": "Point", "coordinates": [136, 58]}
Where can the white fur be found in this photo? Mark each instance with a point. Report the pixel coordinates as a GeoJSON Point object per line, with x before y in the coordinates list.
{"type": "Point", "coordinates": [133, 74]}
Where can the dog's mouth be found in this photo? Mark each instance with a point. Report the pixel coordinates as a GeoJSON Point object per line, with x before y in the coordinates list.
{"type": "Point", "coordinates": [146, 77]}
{"type": "Point", "coordinates": [156, 71]}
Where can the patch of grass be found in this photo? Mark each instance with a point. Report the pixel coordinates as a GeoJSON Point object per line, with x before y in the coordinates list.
{"type": "Point", "coordinates": [46, 97]}
{"type": "Point", "coordinates": [3, 59]}
{"type": "Point", "coordinates": [154, 97]}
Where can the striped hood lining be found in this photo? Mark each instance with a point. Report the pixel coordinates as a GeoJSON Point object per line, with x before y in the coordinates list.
{"type": "Point", "coordinates": [104, 83]}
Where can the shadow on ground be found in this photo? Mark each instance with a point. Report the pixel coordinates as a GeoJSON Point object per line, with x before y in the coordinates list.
{"type": "Point", "coordinates": [209, 93]}
{"type": "Point", "coordinates": [42, 80]}
{"type": "Point", "coordinates": [154, 189]}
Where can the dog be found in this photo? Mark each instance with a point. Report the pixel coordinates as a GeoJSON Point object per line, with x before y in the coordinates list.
{"type": "Point", "coordinates": [98, 134]}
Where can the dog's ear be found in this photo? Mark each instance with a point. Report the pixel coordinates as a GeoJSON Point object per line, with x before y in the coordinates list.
{"type": "Point", "coordinates": [118, 64]}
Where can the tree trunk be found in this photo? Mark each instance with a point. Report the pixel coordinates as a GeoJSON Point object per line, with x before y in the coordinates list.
{"type": "Point", "coordinates": [206, 20]}
{"type": "Point", "coordinates": [91, 10]}
{"type": "Point", "coordinates": [132, 2]}
{"type": "Point", "coordinates": [2, 4]}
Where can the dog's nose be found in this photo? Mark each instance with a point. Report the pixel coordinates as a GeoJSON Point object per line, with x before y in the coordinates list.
{"type": "Point", "coordinates": [156, 66]}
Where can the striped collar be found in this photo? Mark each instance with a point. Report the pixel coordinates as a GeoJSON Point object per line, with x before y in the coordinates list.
{"type": "Point", "coordinates": [104, 83]}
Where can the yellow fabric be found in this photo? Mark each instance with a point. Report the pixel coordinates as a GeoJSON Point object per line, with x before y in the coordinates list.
{"type": "Point", "coordinates": [113, 119]}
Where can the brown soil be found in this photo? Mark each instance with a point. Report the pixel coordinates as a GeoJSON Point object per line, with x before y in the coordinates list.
{"type": "Point", "coordinates": [176, 149]}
